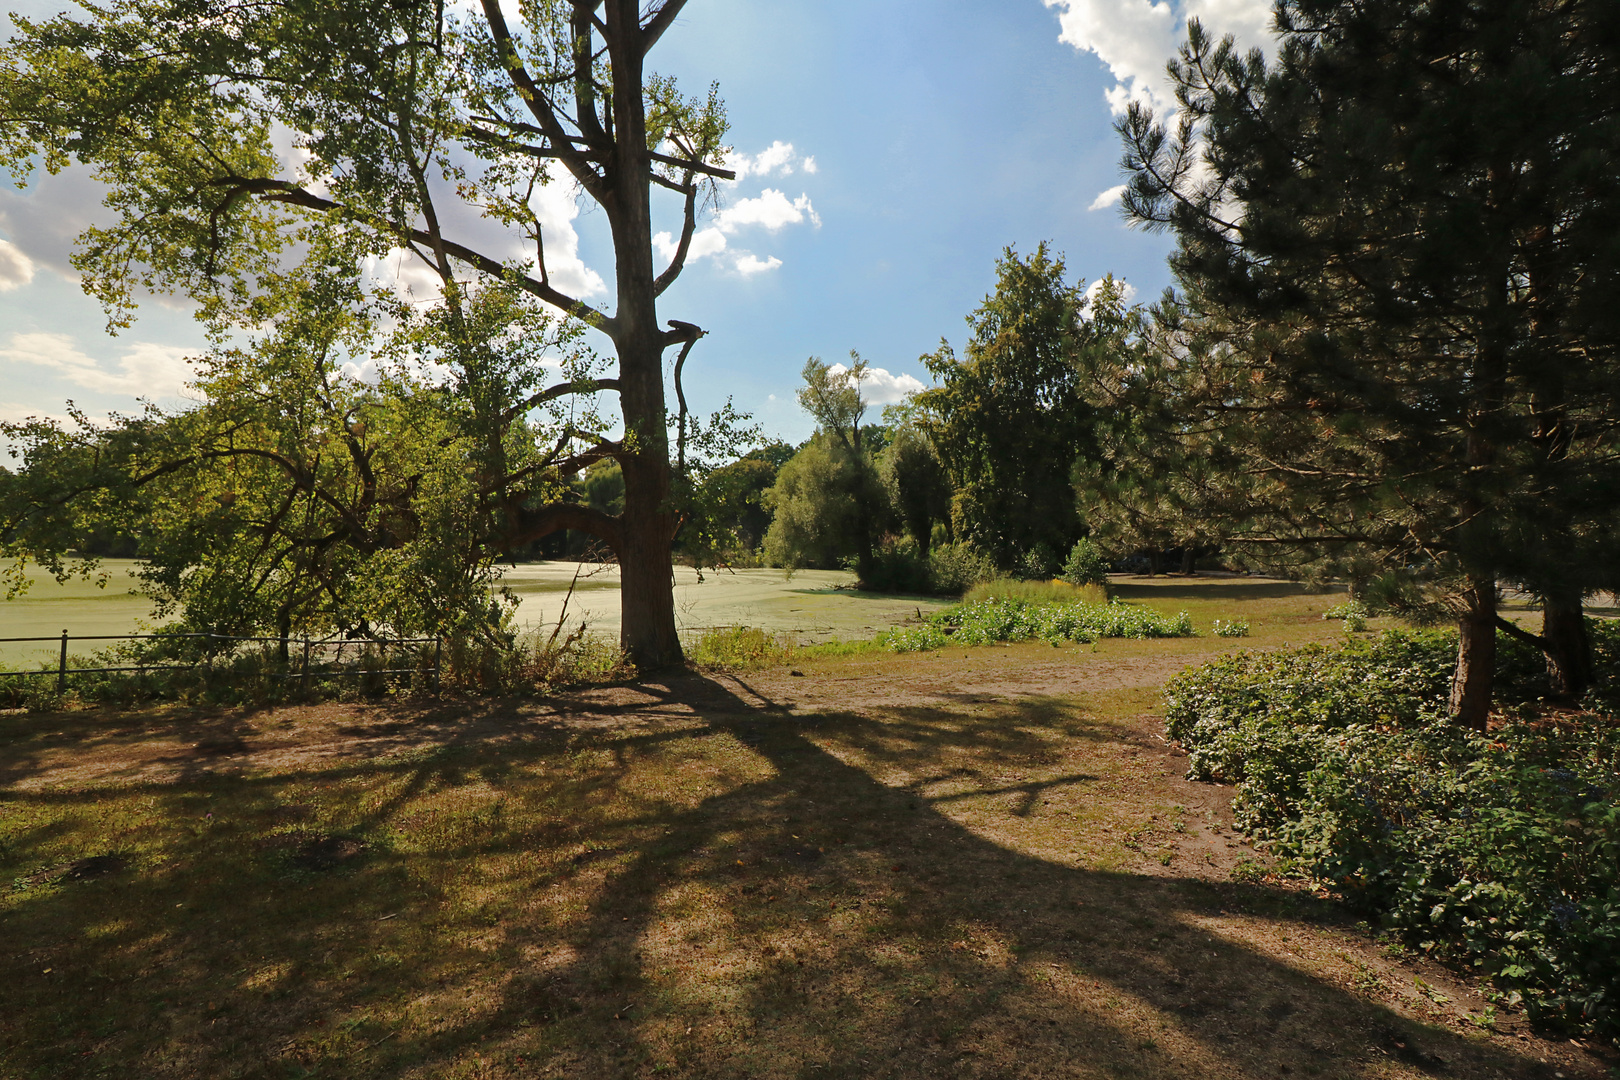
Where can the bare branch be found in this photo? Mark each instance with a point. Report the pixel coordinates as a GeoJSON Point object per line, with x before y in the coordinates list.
{"type": "Point", "coordinates": [662, 20]}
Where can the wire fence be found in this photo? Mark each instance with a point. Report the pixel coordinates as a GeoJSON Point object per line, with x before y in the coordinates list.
{"type": "Point", "coordinates": [318, 657]}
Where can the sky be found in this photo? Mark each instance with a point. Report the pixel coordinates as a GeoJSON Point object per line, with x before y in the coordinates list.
{"type": "Point", "coordinates": [888, 152]}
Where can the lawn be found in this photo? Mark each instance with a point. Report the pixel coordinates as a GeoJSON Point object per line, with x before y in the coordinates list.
{"type": "Point", "coordinates": [974, 862]}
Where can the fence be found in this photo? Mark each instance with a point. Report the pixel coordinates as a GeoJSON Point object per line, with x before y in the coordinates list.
{"type": "Point", "coordinates": [314, 649]}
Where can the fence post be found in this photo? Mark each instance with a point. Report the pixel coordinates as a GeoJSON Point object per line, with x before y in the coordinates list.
{"type": "Point", "coordinates": [61, 666]}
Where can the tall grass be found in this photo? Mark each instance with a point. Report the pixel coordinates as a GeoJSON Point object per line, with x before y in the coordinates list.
{"type": "Point", "coordinates": [998, 619]}
{"type": "Point", "coordinates": [1056, 591]}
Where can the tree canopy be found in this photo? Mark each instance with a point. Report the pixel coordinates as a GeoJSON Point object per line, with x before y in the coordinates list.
{"type": "Point", "coordinates": [244, 144]}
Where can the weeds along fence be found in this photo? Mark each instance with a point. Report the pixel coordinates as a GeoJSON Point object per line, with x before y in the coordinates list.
{"type": "Point", "coordinates": [140, 665]}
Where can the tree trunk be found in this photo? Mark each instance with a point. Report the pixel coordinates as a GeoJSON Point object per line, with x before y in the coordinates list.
{"type": "Point", "coordinates": [1568, 647]}
{"type": "Point", "coordinates": [1153, 563]}
{"type": "Point", "coordinates": [1476, 656]}
{"type": "Point", "coordinates": [647, 526]}
{"type": "Point", "coordinates": [1187, 561]}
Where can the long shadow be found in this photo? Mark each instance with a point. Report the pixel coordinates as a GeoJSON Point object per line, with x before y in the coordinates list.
{"type": "Point", "coordinates": [1202, 1004]}
{"type": "Point", "coordinates": [808, 922]}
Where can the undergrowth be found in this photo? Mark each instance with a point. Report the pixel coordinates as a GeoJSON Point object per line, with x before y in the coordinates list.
{"type": "Point", "coordinates": [1498, 853]}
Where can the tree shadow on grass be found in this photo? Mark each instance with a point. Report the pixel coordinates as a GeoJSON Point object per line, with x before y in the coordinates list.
{"type": "Point", "coordinates": [725, 896]}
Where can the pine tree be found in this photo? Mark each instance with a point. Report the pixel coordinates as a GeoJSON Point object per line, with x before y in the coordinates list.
{"type": "Point", "coordinates": [1400, 243]}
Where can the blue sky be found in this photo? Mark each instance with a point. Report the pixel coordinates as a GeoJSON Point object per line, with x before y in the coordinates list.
{"type": "Point", "coordinates": [893, 147]}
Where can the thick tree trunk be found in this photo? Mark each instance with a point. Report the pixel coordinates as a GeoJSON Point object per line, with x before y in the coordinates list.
{"type": "Point", "coordinates": [1153, 563]}
{"type": "Point", "coordinates": [1567, 645]}
{"type": "Point", "coordinates": [1187, 561]}
{"type": "Point", "coordinates": [1476, 656]}
{"type": "Point", "coordinates": [647, 526]}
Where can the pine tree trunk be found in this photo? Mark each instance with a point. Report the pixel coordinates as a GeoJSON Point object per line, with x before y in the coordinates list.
{"type": "Point", "coordinates": [1187, 561]}
{"type": "Point", "coordinates": [1153, 563]}
{"type": "Point", "coordinates": [1568, 647]}
{"type": "Point", "coordinates": [1476, 656]}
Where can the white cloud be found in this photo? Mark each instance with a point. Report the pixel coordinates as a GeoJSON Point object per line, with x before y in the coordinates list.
{"type": "Point", "coordinates": [145, 370]}
{"type": "Point", "coordinates": [748, 265]}
{"type": "Point", "coordinates": [1108, 198]}
{"type": "Point", "coordinates": [770, 209]}
{"type": "Point", "coordinates": [16, 269]}
{"type": "Point", "coordinates": [704, 242]}
{"type": "Point", "coordinates": [881, 387]}
{"type": "Point", "coordinates": [779, 159]}
{"type": "Point", "coordinates": [1135, 38]}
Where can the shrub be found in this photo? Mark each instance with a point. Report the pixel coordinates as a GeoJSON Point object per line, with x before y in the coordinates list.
{"type": "Point", "coordinates": [1086, 565]}
{"type": "Point", "coordinates": [1499, 853]}
{"type": "Point", "coordinates": [1228, 628]}
{"type": "Point", "coordinates": [1353, 612]}
{"type": "Point", "coordinates": [898, 566]}
{"type": "Point", "coordinates": [1039, 563]}
{"type": "Point", "coordinates": [955, 568]}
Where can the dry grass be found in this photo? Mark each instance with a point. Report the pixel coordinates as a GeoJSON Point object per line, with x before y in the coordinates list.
{"type": "Point", "coordinates": [1056, 591]}
{"type": "Point", "coordinates": [972, 863]}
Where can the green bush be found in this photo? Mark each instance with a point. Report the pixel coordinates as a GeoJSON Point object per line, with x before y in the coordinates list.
{"type": "Point", "coordinates": [1230, 628]}
{"type": "Point", "coordinates": [1086, 565]}
{"type": "Point", "coordinates": [999, 619]}
{"type": "Point", "coordinates": [955, 568]}
{"type": "Point", "coordinates": [1499, 853]}
{"type": "Point", "coordinates": [1039, 563]}
{"type": "Point", "coordinates": [898, 566]}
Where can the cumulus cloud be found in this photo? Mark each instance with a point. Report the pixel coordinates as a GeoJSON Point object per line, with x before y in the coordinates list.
{"type": "Point", "coordinates": [16, 269]}
{"type": "Point", "coordinates": [771, 210]}
{"type": "Point", "coordinates": [882, 387]}
{"type": "Point", "coordinates": [749, 264]}
{"type": "Point", "coordinates": [145, 370]}
{"type": "Point", "coordinates": [1135, 38]}
{"type": "Point", "coordinates": [777, 159]}
{"type": "Point", "coordinates": [1108, 198]}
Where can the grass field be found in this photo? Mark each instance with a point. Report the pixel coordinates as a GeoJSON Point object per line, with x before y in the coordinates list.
{"type": "Point", "coordinates": [973, 862]}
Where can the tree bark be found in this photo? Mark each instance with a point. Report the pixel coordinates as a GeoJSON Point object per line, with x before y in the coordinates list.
{"type": "Point", "coordinates": [1187, 561]}
{"type": "Point", "coordinates": [1476, 656]}
{"type": "Point", "coordinates": [647, 526]}
{"type": "Point", "coordinates": [1567, 645]}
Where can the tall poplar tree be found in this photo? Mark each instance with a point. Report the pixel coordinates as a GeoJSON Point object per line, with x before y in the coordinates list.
{"type": "Point", "coordinates": [232, 136]}
{"type": "Point", "coordinates": [1399, 242]}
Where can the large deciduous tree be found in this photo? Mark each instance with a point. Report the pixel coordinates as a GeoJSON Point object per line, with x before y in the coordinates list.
{"type": "Point", "coordinates": [1010, 417]}
{"type": "Point", "coordinates": [234, 138]}
{"type": "Point", "coordinates": [1398, 243]}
